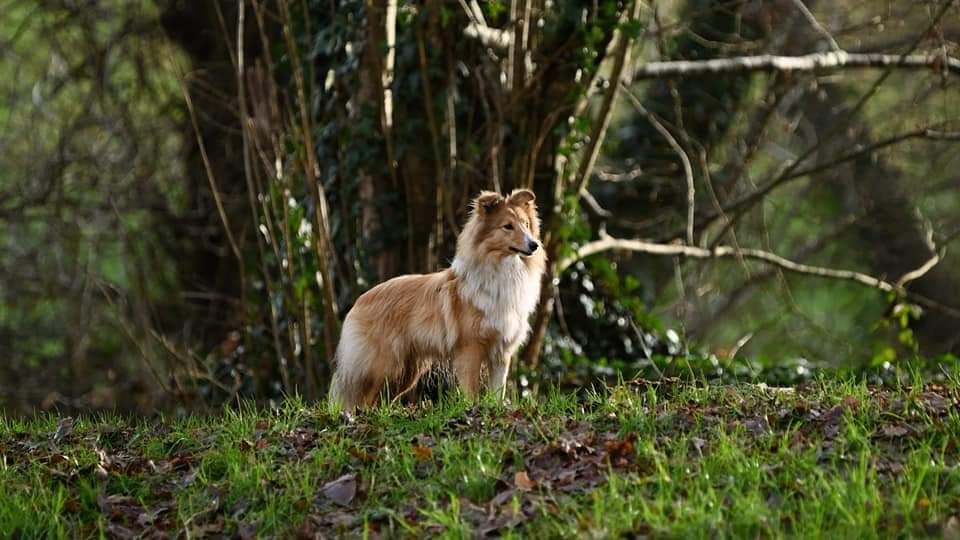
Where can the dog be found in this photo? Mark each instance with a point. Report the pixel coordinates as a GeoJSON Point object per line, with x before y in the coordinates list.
{"type": "Point", "coordinates": [471, 316]}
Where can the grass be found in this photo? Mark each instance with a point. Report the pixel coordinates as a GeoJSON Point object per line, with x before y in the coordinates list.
{"type": "Point", "coordinates": [671, 459]}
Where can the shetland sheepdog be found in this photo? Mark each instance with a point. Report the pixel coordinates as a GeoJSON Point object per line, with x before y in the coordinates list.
{"type": "Point", "coordinates": [471, 318]}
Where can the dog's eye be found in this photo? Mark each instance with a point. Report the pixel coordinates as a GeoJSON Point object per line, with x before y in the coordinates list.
{"type": "Point", "coordinates": [508, 226]}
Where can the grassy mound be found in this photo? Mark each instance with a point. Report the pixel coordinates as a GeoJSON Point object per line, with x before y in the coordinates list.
{"type": "Point", "coordinates": [657, 459]}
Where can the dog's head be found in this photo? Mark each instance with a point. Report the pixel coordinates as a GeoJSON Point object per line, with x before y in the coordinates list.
{"type": "Point", "coordinates": [505, 226]}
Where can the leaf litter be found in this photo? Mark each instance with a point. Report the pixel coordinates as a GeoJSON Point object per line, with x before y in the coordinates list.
{"type": "Point", "coordinates": [545, 463]}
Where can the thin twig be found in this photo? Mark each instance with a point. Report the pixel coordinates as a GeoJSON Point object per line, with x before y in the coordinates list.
{"type": "Point", "coordinates": [599, 132]}
{"type": "Point", "coordinates": [919, 272]}
{"type": "Point", "coordinates": [249, 140]}
{"type": "Point", "coordinates": [816, 24]}
{"type": "Point", "coordinates": [788, 173]}
{"type": "Point", "coordinates": [323, 245]}
{"type": "Point", "coordinates": [594, 206]}
{"type": "Point", "coordinates": [211, 177]}
{"type": "Point", "coordinates": [687, 167]}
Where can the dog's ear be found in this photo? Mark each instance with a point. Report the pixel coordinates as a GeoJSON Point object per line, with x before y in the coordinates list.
{"type": "Point", "coordinates": [487, 201]}
{"type": "Point", "coordinates": [522, 196]}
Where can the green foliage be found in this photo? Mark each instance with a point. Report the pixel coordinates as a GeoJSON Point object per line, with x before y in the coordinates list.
{"type": "Point", "coordinates": [114, 261]}
{"type": "Point", "coordinates": [91, 149]}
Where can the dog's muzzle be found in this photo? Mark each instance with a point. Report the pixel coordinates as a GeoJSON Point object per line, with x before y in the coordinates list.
{"type": "Point", "coordinates": [532, 247]}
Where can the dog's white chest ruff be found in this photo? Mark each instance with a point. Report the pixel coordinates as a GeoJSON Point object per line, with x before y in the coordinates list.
{"type": "Point", "coordinates": [506, 292]}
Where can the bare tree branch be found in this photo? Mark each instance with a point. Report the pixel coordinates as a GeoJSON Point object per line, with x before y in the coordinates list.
{"type": "Point", "coordinates": [491, 37]}
{"type": "Point", "coordinates": [607, 243]}
{"type": "Point", "coordinates": [626, 176]}
{"type": "Point", "coordinates": [811, 62]}
{"type": "Point", "coordinates": [919, 272]}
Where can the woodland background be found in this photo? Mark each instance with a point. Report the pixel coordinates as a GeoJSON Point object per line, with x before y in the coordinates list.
{"type": "Point", "coordinates": [192, 193]}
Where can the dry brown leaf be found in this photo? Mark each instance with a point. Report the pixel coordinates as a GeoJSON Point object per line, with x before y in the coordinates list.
{"type": "Point", "coordinates": [423, 453]}
{"type": "Point", "coordinates": [523, 481]}
{"type": "Point", "coordinates": [361, 454]}
{"type": "Point", "coordinates": [621, 448]}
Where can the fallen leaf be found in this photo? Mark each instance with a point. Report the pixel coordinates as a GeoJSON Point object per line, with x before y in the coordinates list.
{"type": "Point", "coordinates": [935, 403]}
{"type": "Point", "coordinates": [506, 520]}
{"type": "Point", "coordinates": [698, 443]}
{"type": "Point", "coordinates": [523, 481]}
{"type": "Point", "coordinates": [342, 490]}
{"type": "Point", "coordinates": [190, 477]}
{"type": "Point", "coordinates": [361, 454]}
{"type": "Point", "coordinates": [894, 431]}
{"type": "Point", "coordinates": [757, 425]}
{"type": "Point", "coordinates": [150, 516]}
{"type": "Point", "coordinates": [831, 420]}
{"type": "Point", "coordinates": [621, 448]}
{"type": "Point", "coordinates": [423, 453]}
{"type": "Point", "coordinates": [503, 497]}
{"type": "Point", "coordinates": [119, 531]}
{"type": "Point", "coordinates": [338, 519]}
{"type": "Point", "coordinates": [64, 429]}
{"type": "Point", "coordinates": [247, 531]}
{"type": "Point", "coordinates": [951, 530]}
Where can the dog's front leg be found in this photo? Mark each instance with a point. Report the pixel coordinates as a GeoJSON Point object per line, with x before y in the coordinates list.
{"type": "Point", "coordinates": [499, 366]}
{"type": "Point", "coordinates": [467, 361]}
{"type": "Point", "coordinates": [499, 369]}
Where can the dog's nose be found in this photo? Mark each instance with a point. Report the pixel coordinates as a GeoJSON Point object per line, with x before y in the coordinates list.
{"type": "Point", "coordinates": [532, 245]}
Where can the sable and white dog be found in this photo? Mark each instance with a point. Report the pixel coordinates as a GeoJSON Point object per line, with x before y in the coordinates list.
{"type": "Point", "coordinates": [471, 315]}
